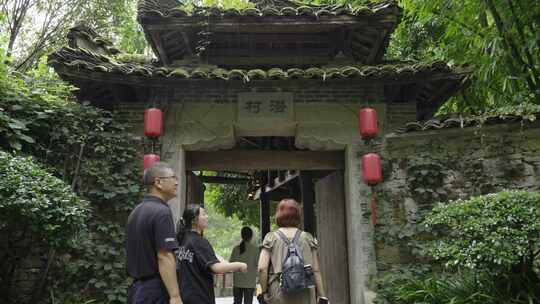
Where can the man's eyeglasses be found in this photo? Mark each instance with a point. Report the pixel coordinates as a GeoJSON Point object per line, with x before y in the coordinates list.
{"type": "Point", "coordinates": [164, 177]}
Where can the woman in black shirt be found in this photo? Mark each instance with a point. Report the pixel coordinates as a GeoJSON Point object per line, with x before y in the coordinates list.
{"type": "Point", "coordinates": [196, 260]}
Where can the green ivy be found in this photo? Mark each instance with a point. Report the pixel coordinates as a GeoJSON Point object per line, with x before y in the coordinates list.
{"type": "Point", "coordinates": [82, 144]}
{"type": "Point", "coordinates": [98, 160]}
{"type": "Point", "coordinates": [96, 267]}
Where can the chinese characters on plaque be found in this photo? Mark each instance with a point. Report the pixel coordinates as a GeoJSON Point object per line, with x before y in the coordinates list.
{"type": "Point", "coordinates": [265, 105]}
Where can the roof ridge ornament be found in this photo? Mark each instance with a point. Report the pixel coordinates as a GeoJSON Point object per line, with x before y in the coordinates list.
{"type": "Point", "coordinates": [81, 36]}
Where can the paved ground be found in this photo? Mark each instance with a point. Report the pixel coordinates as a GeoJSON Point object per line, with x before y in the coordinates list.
{"type": "Point", "coordinates": [229, 300]}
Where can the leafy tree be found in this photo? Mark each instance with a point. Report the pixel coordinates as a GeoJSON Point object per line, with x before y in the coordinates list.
{"type": "Point", "coordinates": [224, 231]}
{"type": "Point", "coordinates": [495, 233]}
{"type": "Point", "coordinates": [498, 38]}
{"type": "Point", "coordinates": [232, 200]}
{"type": "Point", "coordinates": [35, 27]}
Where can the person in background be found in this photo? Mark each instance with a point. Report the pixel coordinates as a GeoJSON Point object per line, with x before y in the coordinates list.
{"type": "Point", "coordinates": [244, 283]}
{"type": "Point", "coordinates": [288, 218]}
{"type": "Point", "coordinates": [150, 241]}
{"type": "Point", "coordinates": [196, 260]}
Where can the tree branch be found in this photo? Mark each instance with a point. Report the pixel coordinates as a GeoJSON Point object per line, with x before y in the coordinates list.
{"type": "Point", "coordinates": [19, 13]}
{"type": "Point", "coordinates": [5, 12]}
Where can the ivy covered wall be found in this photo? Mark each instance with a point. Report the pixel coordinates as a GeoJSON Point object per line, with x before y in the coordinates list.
{"type": "Point", "coordinates": [424, 167]}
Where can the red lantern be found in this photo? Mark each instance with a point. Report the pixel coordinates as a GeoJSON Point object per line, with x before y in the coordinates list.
{"type": "Point", "coordinates": [149, 160]}
{"type": "Point", "coordinates": [371, 169]}
{"type": "Point", "coordinates": [153, 122]}
{"type": "Point", "coordinates": [367, 122]}
{"type": "Point", "coordinates": [372, 173]}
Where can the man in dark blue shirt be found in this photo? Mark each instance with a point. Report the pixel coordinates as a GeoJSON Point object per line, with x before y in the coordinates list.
{"type": "Point", "coordinates": [151, 239]}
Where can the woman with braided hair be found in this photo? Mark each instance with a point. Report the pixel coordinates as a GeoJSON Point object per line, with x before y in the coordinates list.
{"type": "Point", "coordinates": [244, 283]}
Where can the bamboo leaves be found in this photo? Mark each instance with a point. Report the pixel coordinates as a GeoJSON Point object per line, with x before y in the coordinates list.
{"type": "Point", "coordinates": [499, 37]}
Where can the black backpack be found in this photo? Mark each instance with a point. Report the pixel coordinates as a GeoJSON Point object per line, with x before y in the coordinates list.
{"type": "Point", "coordinates": [295, 276]}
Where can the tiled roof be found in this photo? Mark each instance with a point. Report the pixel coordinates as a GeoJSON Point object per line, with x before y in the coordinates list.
{"type": "Point", "coordinates": [459, 122]}
{"type": "Point", "coordinates": [85, 60]}
{"type": "Point", "coordinates": [151, 8]}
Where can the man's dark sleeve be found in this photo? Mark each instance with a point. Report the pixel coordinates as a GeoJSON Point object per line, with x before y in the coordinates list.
{"type": "Point", "coordinates": [205, 253]}
{"type": "Point", "coordinates": [164, 231]}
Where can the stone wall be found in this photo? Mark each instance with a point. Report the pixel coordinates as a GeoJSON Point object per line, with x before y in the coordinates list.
{"type": "Point", "coordinates": [424, 167]}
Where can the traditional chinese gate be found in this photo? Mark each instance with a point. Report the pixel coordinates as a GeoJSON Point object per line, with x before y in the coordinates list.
{"type": "Point", "coordinates": [276, 69]}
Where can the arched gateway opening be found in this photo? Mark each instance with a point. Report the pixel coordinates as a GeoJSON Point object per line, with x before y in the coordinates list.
{"type": "Point", "coordinates": [276, 169]}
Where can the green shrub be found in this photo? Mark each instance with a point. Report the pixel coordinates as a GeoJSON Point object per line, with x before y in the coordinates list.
{"type": "Point", "coordinates": [488, 244]}
{"type": "Point", "coordinates": [34, 205]}
{"type": "Point", "coordinates": [498, 233]}
{"type": "Point", "coordinates": [31, 197]}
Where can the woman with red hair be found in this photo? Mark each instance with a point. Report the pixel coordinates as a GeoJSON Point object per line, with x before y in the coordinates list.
{"type": "Point", "coordinates": [288, 218]}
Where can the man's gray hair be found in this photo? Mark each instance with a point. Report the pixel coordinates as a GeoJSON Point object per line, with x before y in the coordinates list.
{"type": "Point", "coordinates": [156, 170]}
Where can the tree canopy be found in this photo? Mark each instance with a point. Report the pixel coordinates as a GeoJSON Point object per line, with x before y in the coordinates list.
{"type": "Point", "coordinates": [34, 27]}
{"type": "Point", "coordinates": [499, 38]}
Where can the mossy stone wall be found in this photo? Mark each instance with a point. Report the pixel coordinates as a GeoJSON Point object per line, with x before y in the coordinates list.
{"type": "Point", "coordinates": [421, 168]}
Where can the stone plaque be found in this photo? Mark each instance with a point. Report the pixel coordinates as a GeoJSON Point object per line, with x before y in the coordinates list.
{"type": "Point", "coordinates": [265, 106]}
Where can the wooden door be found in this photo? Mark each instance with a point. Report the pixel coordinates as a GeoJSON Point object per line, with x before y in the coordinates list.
{"type": "Point", "coordinates": [332, 236]}
{"type": "Point", "coordinates": [195, 189]}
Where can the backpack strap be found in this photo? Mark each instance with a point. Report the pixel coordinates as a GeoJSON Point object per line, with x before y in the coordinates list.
{"type": "Point", "coordinates": [283, 237]}
{"type": "Point", "coordinates": [296, 237]}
